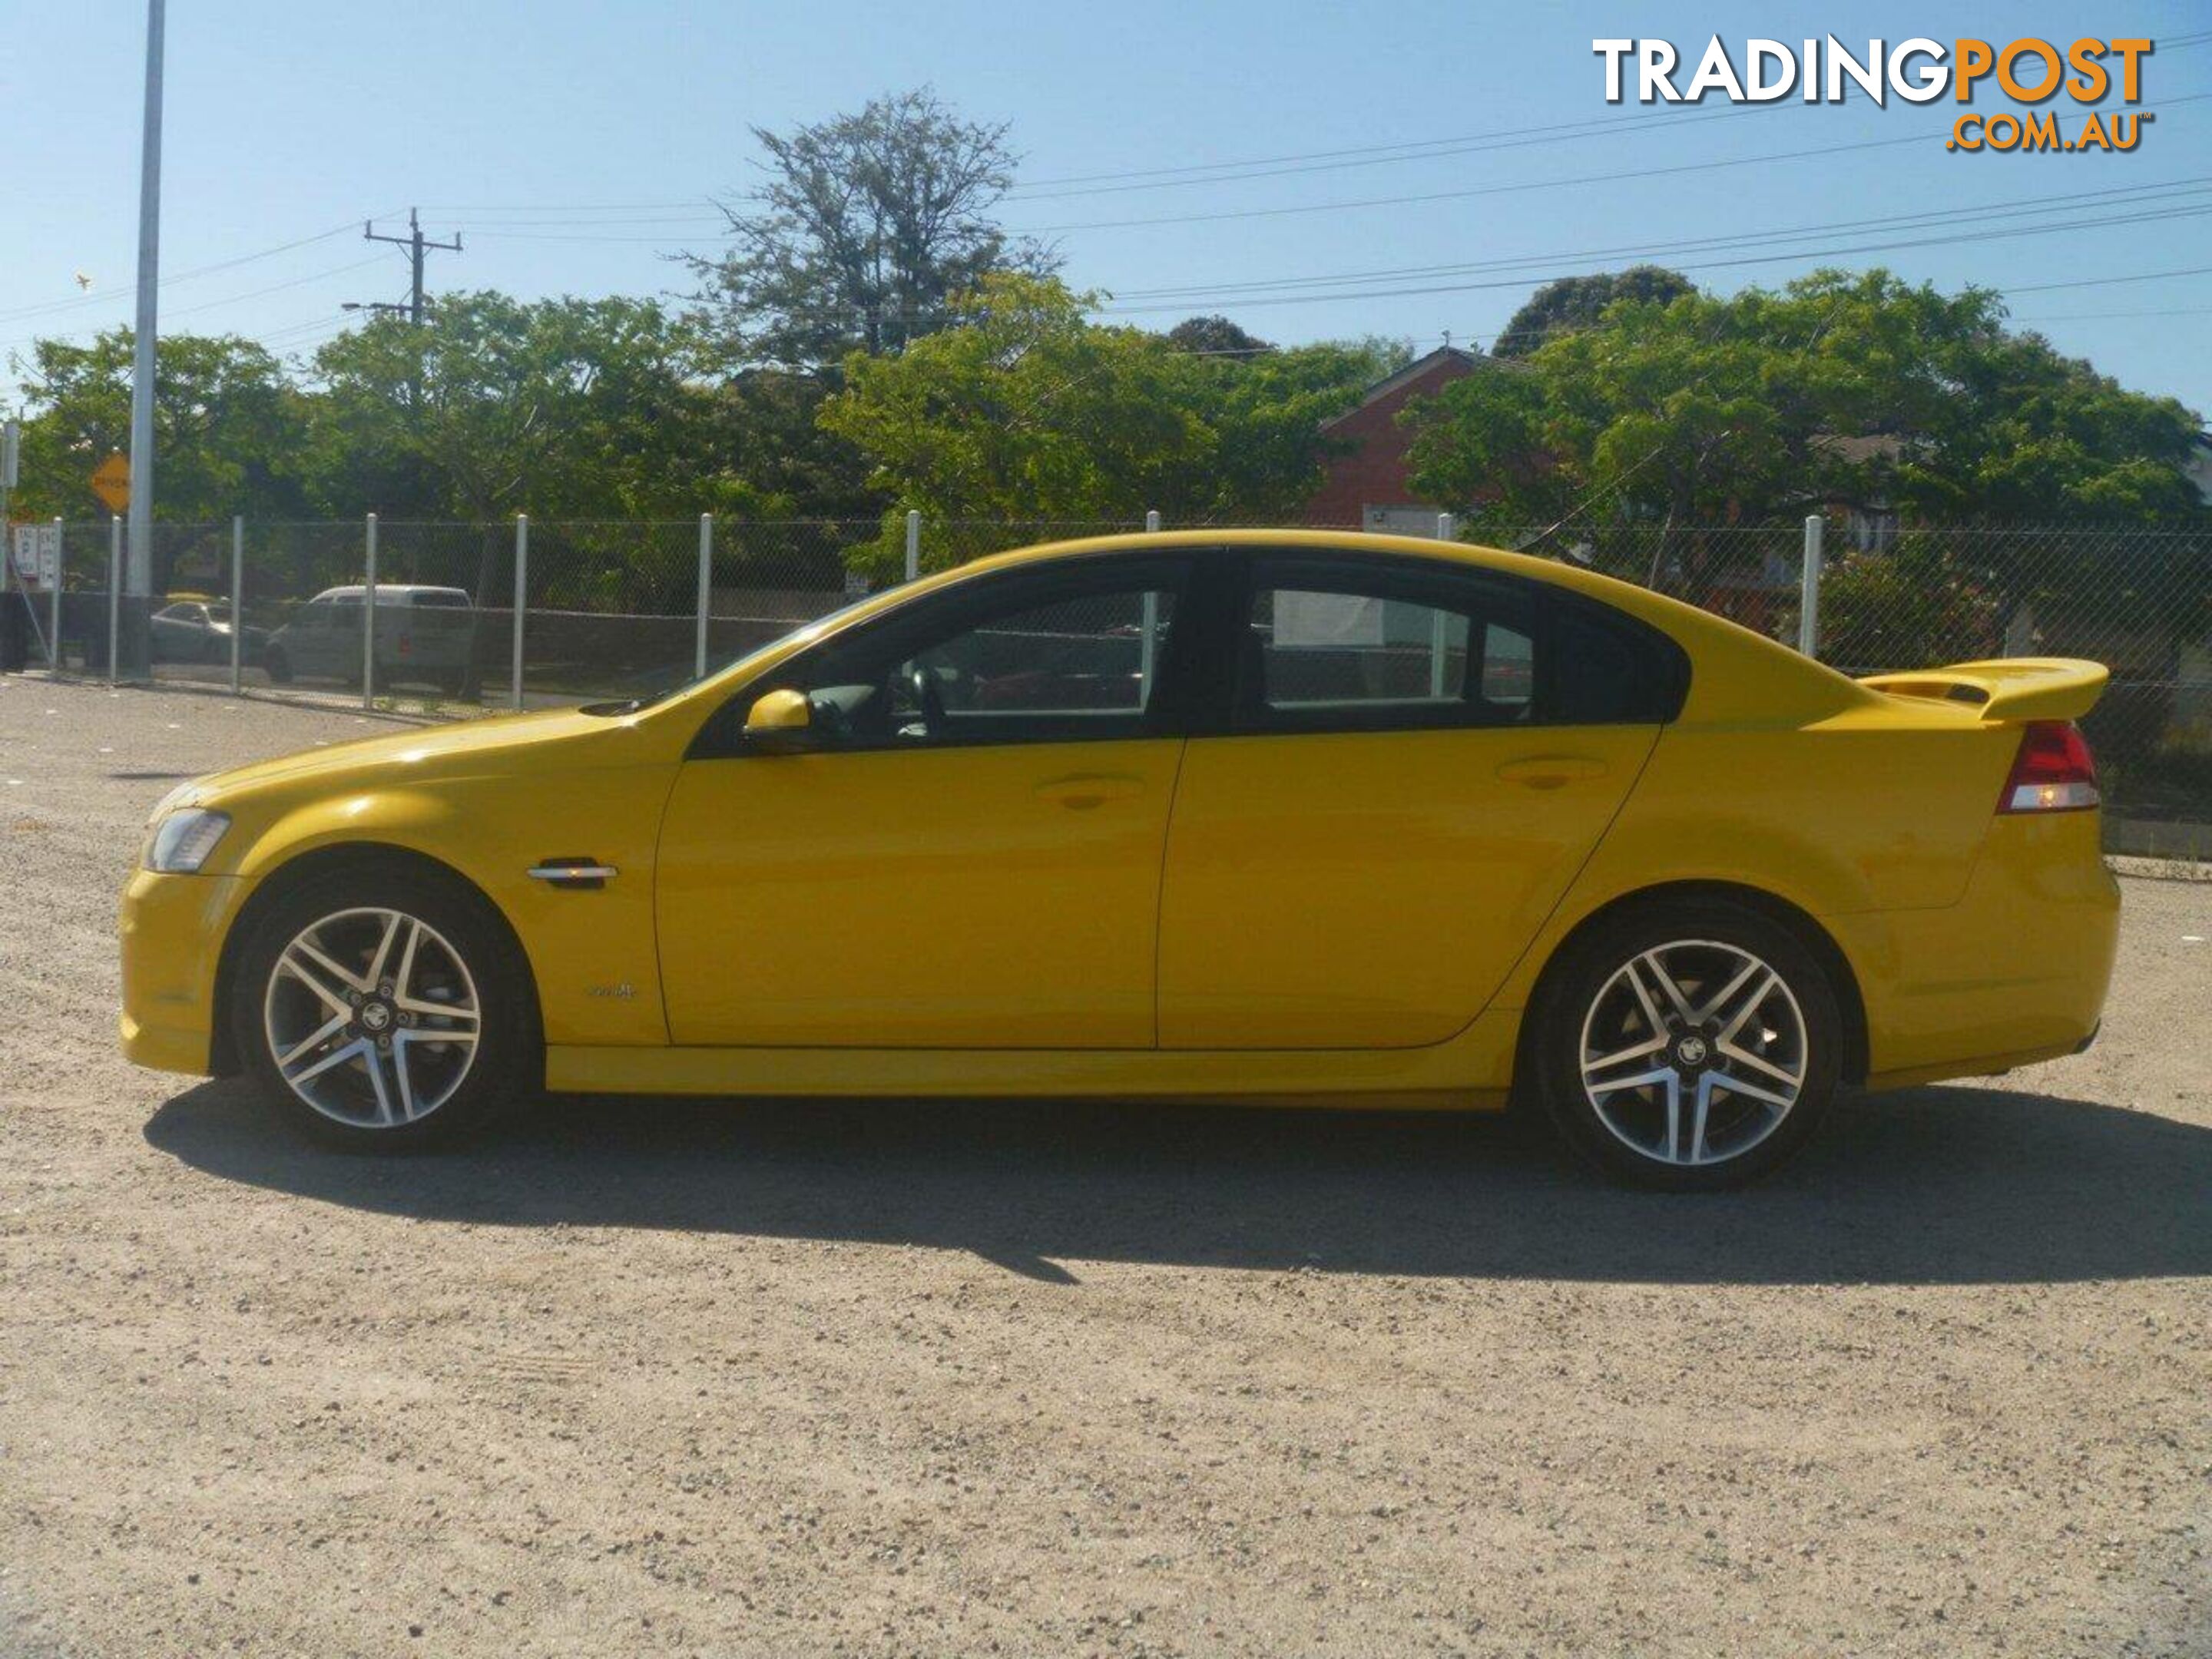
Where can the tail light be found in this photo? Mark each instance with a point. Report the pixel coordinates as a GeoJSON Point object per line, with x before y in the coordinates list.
{"type": "Point", "coordinates": [406, 644]}
{"type": "Point", "coordinates": [2053, 771]}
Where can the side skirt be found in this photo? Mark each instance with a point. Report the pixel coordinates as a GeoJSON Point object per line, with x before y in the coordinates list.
{"type": "Point", "coordinates": [1473, 1072]}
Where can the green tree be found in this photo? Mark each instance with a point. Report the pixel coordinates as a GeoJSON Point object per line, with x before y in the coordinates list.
{"type": "Point", "coordinates": [1573, 303]}
{"type": "Point", "coordinates": [575, 408]}
{"type": "Point", "coordinates": [1840, 389]}
{"type": "Point", "coordinates": [1217, 336]}
{"type": "Point", "coordinates": [230, 428]}
{"type": "Point", "coordinates": [1028, 410]}
{"type": "Point", "coordinates": [865, 227]}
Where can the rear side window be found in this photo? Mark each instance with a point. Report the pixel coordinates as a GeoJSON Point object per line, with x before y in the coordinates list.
{"type": "Point", "coordinates": [1362, 643]}
{"type": "Point", "coordinates": [1606, 669]}
{"type": "Point", "coordinates": [441, 601]}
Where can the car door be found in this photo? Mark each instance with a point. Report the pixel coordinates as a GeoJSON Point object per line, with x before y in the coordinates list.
{"type": "Point", "coordinates": [965, 853]}
{"type": "Point", "coordinates": [177, 631]}
{"type": "Point", "coordinates": [314, 635]}
{"type": "Point", "coordinates": [1412, 760]}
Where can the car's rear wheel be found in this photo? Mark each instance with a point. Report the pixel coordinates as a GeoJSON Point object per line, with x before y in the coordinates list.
{"type": "Point", "coordinates": [1689, 1045]}
{"type": "Point", "coordinates": [387, 1008]}
{"type": "Point", "coordinates": [277, 665]}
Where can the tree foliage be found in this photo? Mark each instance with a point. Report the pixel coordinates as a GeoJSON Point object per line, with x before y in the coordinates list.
{"type": "Point", "coordinates": [1573, 303]}
{"type": "Point", "coordinates": [1028, 410]}
{"type": "Point", "coordinates": [1215, 336]}
{"type": "Point", "coordinates": [866, 226]}
{"type": "Point", "coordinates": [1841, 389]}
{"type": "Point", "coordinates": [562, 406]}
{"type": "Point", "coordinates": [229, 428]}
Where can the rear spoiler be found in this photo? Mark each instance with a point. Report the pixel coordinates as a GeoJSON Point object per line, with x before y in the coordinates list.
{"type": "Point", "coordinates": [2008, 688]}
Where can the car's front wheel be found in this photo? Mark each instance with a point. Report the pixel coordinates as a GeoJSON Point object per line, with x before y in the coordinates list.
{"type": "Point", "coordinates": [387, 1006]}
{"type": "Point", "coordinates": [1689, 1045]}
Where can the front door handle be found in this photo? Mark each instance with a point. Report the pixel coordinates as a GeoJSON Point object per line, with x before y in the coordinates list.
{"type": "Point", "coordinates": [575, 874]}
{"type": "Point", "coordinates": [1083, 790]}
{"type": "Point", "coordinates": [1551, 771]}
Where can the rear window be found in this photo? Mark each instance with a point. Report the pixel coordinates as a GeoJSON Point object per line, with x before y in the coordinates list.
{"type": "Point", "coordinates": [448, 601]}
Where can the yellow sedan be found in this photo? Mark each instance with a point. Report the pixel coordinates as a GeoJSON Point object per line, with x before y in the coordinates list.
{"type": "Point", "coordinates": [1260, 815]}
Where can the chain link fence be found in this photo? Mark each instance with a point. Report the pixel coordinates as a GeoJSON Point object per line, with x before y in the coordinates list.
{"type": "Point", "coordinates": [523, 613]}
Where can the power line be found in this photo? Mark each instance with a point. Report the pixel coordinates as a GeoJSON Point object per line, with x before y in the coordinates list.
{"type": "Point", "coordinates": [1219, 173]}
{"type": "Point", "coordinates": [1706, 264]}
{"type": "Point", "coordinates": [82, 302]}
{"type": "Point", "coordinates": [2100, 281]}
{"type": "Point", "coordinates": [1139, 178]}
{"type": "Point", "coordinates": [204, 305]}
{"type": "Point", "coordinates": [2015, 207]}
{"type": "Point", "coordinates": [2094, 316]}
{"type": "Point", "coordinates": [1517, 185]}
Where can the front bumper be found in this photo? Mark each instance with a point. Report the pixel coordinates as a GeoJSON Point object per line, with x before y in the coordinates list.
{"type": "Point", "coordinates": [171, 929]}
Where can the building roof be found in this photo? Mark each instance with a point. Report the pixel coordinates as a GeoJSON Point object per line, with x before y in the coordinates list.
{"type": "Point", "coordinates": [1420, 368]}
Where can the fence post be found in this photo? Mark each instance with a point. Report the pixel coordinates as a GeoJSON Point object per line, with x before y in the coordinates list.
{"type": "Point", "coordinates": [61, 564]}
{"type": "Point", "coordinates": [237, 597]}
{"type": "Point", "coordinates": [1153, 521]}
{"type": "Point", "coordinates": [521, 602]}
{"type": "Point", "coordinates": [114, 593]}
{"type": "Point", "coordinates": [368, 620]}
{"type": "Point", "coordinates": [706, 585]}
{"type": "Point", "coordinates": [1808, 592]}
{"type": "Point", "coordinates": [1447, 527]}
{"type": "Point", "coordinates": [913, 543]}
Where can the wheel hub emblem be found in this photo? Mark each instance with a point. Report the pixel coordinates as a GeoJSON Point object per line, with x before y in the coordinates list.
{"type": "Point", "coordinates": [1691, 1051]}
{"type": "Point", "coordinates": [375, 1018]}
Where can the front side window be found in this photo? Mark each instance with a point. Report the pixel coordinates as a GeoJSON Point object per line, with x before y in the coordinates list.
{"type": "Point", "coordinates": [1050, 662]}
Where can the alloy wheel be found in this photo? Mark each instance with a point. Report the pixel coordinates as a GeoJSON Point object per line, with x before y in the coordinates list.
{"type": "Point", "coordinates": [1694, 1051]}
{"type": "Point", "coordinates": [372, 1018]}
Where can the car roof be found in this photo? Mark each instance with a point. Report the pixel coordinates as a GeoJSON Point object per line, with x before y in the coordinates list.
{"type": "Point", "coordinates": [1776, 680]}
{"type": "Point", "coordinates": [397, 590]}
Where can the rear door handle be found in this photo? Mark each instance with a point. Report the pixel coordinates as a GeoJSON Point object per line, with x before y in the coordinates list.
{"type": "Point", "coordinates": [1083, 790]}
{"type": "Point", "coordinates": [1551, 771]}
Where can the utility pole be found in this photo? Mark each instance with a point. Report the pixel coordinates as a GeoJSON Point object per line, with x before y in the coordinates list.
{"type": "Point", "coordinates": [139, 574]}
{"type": "Point", "coordinates": [417, 245]}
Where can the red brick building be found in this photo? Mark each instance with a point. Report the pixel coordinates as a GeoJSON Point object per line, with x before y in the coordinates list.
{"type": "Point", "coordinates": [1367, 486]}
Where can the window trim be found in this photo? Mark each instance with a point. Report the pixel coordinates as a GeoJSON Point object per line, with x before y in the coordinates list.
{"type": "Point", "coordinates": [945, 614]}
{"type": "Point", "coordinates": [1232, 713]}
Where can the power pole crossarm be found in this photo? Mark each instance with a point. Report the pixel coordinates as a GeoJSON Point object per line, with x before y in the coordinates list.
{"type": "Point", "coordinates": [417, 246]}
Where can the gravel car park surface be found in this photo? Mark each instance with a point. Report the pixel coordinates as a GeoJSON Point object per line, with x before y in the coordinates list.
{"type": "Point", "coordinates": [646, 1377]}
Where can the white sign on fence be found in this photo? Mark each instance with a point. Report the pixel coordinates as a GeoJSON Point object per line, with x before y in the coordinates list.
{"type": "Point", "coordinates": [37, 550]}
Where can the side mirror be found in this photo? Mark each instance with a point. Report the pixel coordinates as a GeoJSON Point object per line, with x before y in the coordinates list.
{"type": "Point", "coordinates": [780, 722]}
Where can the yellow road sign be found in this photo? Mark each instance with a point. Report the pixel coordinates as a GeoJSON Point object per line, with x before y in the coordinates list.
{"type": "Point", "coordinates": [110, 482]}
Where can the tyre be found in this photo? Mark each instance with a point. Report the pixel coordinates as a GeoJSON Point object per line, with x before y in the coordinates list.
{"type": "Point", "coordinates": [385, 1005]}
{"type": "Point", "coordinates": [277, 665]}
{"type": "Point", "coordinates": [1688, 1046]}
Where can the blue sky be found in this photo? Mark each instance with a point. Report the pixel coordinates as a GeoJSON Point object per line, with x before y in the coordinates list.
{"type": "Point", "coordinates": [576, 144]}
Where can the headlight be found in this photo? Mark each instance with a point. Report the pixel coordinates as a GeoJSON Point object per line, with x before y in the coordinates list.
{"type": "Point", "coordinates": [182, 840]}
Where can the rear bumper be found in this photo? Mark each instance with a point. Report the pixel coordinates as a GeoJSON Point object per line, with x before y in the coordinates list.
{"type": "Point", "coordinates": [171, 930]}
{"type": "Point", "coordinates": [2014, 973]}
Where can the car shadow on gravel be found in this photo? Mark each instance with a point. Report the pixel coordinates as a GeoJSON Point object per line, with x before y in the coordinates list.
{"type": "Point", "coordinates": [1932, 1186]}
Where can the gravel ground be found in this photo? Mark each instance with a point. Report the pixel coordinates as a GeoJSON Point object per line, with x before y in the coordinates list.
{"type": "Point", "coordinates": [786, 1379]}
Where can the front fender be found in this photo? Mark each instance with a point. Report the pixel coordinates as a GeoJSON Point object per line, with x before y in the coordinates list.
{"type": "Point", "coordinates": [592, 951]}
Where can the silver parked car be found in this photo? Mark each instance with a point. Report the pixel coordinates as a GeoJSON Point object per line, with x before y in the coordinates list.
{"type": "Point", "coordinates": [196, 630]}
{"type": "Point", "coordinates": [424, 636]}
